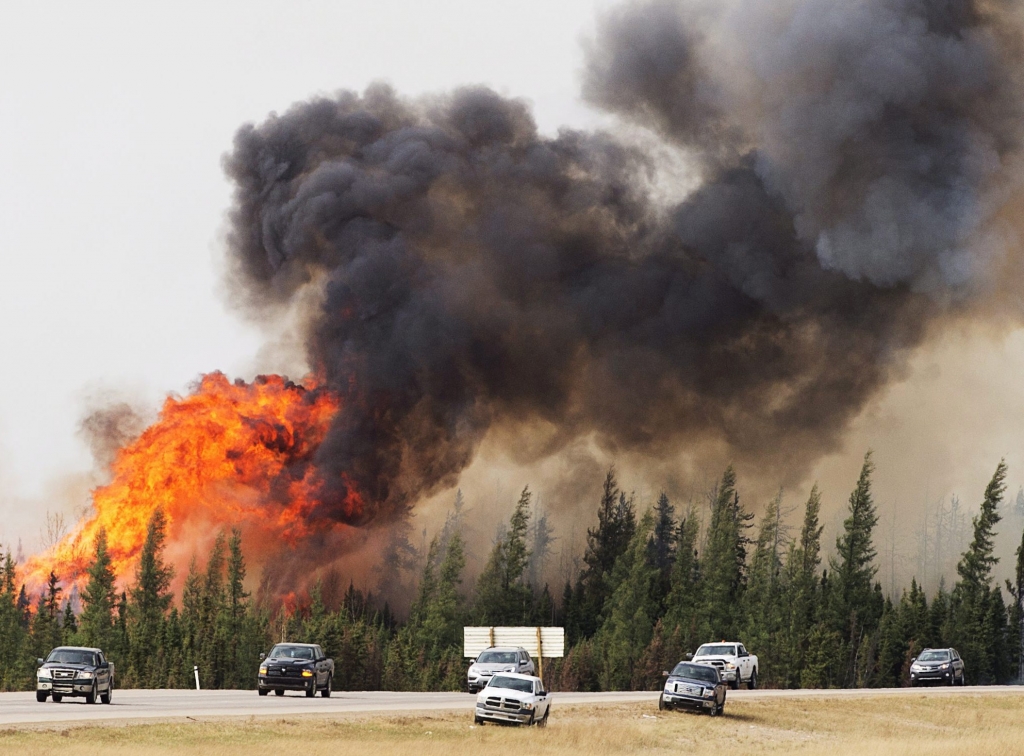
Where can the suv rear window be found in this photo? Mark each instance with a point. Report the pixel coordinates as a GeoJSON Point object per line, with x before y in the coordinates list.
{"type": "Point", "coordinates": [498, 657]}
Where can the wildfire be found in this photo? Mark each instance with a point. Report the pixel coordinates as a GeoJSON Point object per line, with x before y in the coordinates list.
{"type": "Point", "coordinates": [227, 455]}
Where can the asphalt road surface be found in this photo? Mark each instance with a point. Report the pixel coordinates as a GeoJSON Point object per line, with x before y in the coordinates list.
{"type": "Point", "coordinates": [139, 705]}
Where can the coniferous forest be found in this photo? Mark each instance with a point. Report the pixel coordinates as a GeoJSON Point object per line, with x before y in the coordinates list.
{"type": "Point", "coordinates": [651, 587]}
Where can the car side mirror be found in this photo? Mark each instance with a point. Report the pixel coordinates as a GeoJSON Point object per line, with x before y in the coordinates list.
{"type": "Point", "coordinates": [913, 660]}
{"type": "Point", "coordinates": [664, 674]}
{"type": "Point", "coordinates": [262, 656]}
{"type": "Point", "coordinates": [689, 656]}
{"type": "Point", "coordinates": [40, 662]}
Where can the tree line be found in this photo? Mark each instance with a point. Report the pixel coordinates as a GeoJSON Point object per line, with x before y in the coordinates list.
{"type": "Point", "coordinates": [652, 586]}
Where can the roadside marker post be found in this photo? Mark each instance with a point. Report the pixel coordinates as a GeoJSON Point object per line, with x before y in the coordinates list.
{"type": "Point", "coordinates": [196, 670]}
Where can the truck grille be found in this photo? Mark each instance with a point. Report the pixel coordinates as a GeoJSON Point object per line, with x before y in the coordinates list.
{"type": "Point", "coordinates": [508, 704]}
{"type": "Point", "coordinates": [285, 671]}
{"type": "Point", "coordinates": [63, 674]}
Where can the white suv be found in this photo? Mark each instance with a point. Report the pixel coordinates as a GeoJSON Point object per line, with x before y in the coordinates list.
{"type": "Point", "coordinates": [510, 697]}
{"type": "Point", "coordinates": [498, 659]}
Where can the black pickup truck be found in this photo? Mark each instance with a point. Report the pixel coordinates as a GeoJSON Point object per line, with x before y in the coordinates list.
{"type": "Point", "coordinates": [295, 666]}
{"type": "Point", "coordinates": [75, 671]}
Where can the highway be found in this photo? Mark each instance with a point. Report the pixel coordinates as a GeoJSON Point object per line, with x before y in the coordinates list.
{"type": "Point", "coordinates": [162, 705]}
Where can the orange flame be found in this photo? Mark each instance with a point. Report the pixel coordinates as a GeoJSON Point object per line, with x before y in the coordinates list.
{"type": "Point", "coordinates": [227, 455]}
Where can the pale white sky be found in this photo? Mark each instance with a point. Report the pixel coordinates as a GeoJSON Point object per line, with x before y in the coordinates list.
{"type": "Point", "coordinates": [113, 121]}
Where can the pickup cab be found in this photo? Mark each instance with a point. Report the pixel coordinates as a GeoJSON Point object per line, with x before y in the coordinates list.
{"type": "Point", "coordinates": [513, 698]}
{"type": "Point", "coordinates": [734, 664]}
{"type": "Point", "coordinates": [75, 671]}
{"type": "Point", "coordinates": [295, 666]}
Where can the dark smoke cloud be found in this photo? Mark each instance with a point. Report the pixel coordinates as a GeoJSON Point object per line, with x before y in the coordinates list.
{"type": "Point", "coordinates": [110, 427]}
{"type": "Point", "coordinates": [475, 273]}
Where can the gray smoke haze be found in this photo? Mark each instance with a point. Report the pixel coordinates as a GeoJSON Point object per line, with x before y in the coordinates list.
{"type": "Point", "coordinates": [475, 274]}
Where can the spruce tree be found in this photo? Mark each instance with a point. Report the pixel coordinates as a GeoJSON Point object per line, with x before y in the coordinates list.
{"type": "Point", "coordinates": [616, 523]}
{"type": "Point", "coordinates": [662, 547]}
{"type": "Point", "coordinates": [800, 597]}
{"type": "Point", "coordinates": [971, 602]}
{"type": "Point", "coordinates": [723, 563]}
{"type": "Point", "coordinates": [681, 604]}
{"type": "Point", "coordinates": [851, 601]}
{"type": "Point", "coordinates": [631, 611]}
{"type": "Point", "coordinates": [98, 600]}
{"type": "Point", "coordinates": [1016, 619]}
{"type": "Point", "coordinates": [502, 596]}
{"type": "Point", "coordinates": [149, 601]}
{"type": "Point", "coordinates": [763, 598]}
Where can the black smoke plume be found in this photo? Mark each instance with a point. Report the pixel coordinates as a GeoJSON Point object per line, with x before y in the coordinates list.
{"type": "Point", "coordinates": [473, 273]}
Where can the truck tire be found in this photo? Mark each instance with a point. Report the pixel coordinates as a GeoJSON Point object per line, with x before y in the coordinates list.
{"type": "Point", "coordinates": [41, 695]}
{"type": "Point", "coordinates": [326, 692]}
{"type": "Point", "coordinates": [262, 691]}
{"type": "Point", "coordinates": [108, 695]}
{"type": "Point", "coordinates": [714, 711]}
{"type": "Point", "coordinates": [735, 683]}
{"type": "Point", "coordinates": [90, 697]}
{"type": "Point", "coordinates": [278, 692]}
{"type": "Point", "coordinates": [311, 690]}
{"type": "Point", "coordinates": [752, 682]}
{"type": "Point", "coordinates": [57, 697]}
{"type": "Point", "coordinates": [544, 720]}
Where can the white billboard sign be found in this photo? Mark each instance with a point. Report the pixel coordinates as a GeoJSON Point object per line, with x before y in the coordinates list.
{"type": "Point", "coordinates": [540, 642]}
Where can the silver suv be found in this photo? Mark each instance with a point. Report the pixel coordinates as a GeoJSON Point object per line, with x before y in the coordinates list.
{"type": "Point", "coordinates": [498, 659]}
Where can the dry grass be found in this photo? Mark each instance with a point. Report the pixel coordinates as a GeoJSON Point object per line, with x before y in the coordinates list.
{"type": "Point", "coordinates": [975, 725]}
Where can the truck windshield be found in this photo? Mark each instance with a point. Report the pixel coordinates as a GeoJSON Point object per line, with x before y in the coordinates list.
{"type": "Point", "coordinates": [511, 683]}
{"type": "Point", "coordinates": [498, 657]}
{"type": "Point", "coordinates": [64, 656]}
{"type": "Point", "coordinates": [696, 672]}
{"type": "Point", "coordinates": [716, 651]}
{"type": "Point", "coordinates": [281, 651]}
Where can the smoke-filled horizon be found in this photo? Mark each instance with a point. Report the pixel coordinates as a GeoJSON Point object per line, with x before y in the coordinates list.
{"type": "Point", "coordinates": [456, 272]}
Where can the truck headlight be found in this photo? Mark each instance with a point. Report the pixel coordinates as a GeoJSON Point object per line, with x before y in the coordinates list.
{"type": "Point", "coordinates": [915, 667]}
{"type": "Point", "coordinates": [85, 675]}
{"type": "Point", "coordinates": [307, 673]}
{"type": "Point", "coordinates": [263, 669]}
{"type": "Point", "coordinates": [709, 692]}
{"type": "Point", "coordinates": [527, 705]}
{"type": "Point", "coordinates": [43, 674]}
{"type": "Point", "coordinates": [944, 666]}
{"type": "Point", "coordinates": [730, 666]}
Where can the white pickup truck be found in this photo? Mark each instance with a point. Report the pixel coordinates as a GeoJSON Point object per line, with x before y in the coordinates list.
{"type": "Point", "coordinates": [731, 660]}
{"type": "Point", "coordinates": [511, 697]}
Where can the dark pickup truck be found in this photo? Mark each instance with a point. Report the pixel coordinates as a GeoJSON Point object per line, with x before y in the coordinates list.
{"type": "Point", "coordinates": [75, 671]}
{"type": "Point", "coordinates": [295, 666]}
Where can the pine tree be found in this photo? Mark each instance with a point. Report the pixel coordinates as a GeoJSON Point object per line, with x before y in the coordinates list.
{"type": "Point", "coordinates": [14, 668]}
{"type": "Point", "coordinates": [46, 633]}
{"type": "Point", "coordinates": [99, 599]}
{"type": "Point", "coordinates": [851, 601]}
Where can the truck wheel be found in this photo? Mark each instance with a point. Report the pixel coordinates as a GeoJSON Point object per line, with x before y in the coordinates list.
{"type": "Point", "coordinates": [41, 695]}
{"type": "Point", "coordinates": [57, 697]}
{"type": "Point", "coordinates": [735, 683]}
{"type": "Point", "coordinates": [478, 720]}
{"type": "Point", "coordinates": [721, 708]}
{"type": "Point", "coordinates": [752, 682]}
{"type": "Point", "coordinates": [661, 703]}
{"type": "Point", "coordinates": [105, 697]}
{"type": "Point", "coordinates": [326, 692]}
{"type": "Point", "coordinates": [90, 697]}
{"type": "Point", "coordinates": [544, 720]}
{"type": "Point", "coordinates": [311, 690]}
{"type": "Point", "coordinates": [713, 711]}
{"type": "Point", "coordinates": [262, 691]}
{"type": "Point", "coordinates": [278, 692]}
